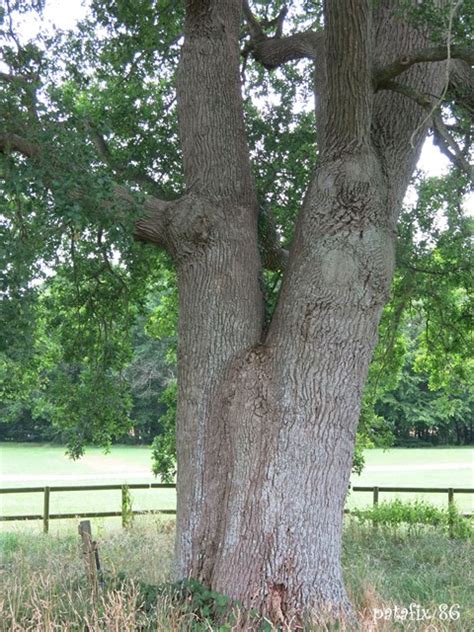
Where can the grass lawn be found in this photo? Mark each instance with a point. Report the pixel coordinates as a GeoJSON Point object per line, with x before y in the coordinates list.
{"type": "Point", "coordinates": [27, 465]}
{"type": "Point", "coordinates": [417, 467]}
{"type": "Point", "coordinates": [29, 462]}
{"type": "Point", "coordinates": [44, 585]}
{"type": "Point", "coordinates": [36, 465]}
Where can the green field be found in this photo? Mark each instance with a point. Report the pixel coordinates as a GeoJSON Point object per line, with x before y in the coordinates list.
{"type": "Point", "coordinates": [418, 467]}
{"type": "Point", "coordinates": [33, 465]}
{"type": "Point", "coordinates": [28, 462]}
{"type": "Point", "coordinates": [28, 465]}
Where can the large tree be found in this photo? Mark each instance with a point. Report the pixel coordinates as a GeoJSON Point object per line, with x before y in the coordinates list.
{"type": "Point", "coordinates": [268, 403]}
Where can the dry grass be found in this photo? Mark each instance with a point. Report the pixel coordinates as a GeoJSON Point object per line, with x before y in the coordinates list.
{"type": "Point", "coordinates": [44, 587]}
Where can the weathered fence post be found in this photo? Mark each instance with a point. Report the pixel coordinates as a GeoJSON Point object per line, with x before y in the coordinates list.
{"type": "Point", "coordinates": [46, 510]}
{"type": "Point", "coordinates": [127, 515]}
{"type": "Point", "coordinates": [91, 557]}
{"type": "Point", "coordinates": [451, 511]}
{"type": "Point", "coordinates": [375, 503]}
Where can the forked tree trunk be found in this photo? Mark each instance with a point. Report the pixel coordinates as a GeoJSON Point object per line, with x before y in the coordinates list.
{"type": "Point", "coordinates": [290, 408]}
{"type": "Point", "coordinates": [267, 417]}
{"type": "Point", "coordinates": [267, 423]}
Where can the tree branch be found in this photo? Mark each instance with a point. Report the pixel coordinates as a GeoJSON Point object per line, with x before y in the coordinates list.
{"type": "Point", "coordinates": [461, 85]}
{"type": "Point", "coordinates": [14, 142]}
{"type": "Point", "coordinates": [150, 228]}
{"type": "Point", "coordinates": [449, 146]}
{"type": "Point", "coordinates": [422, 55]}
{"type": "Point", "coordinates": [256, 27]}
{"type": "Point", "coordinates": [275, 51]}
{"type": "Point", "coordinates": [129, 173]}
{"type": "Point", "coordinates": [423, 100]}
{"type": "Point", "coordinates": [443, 138]}
{"type": "Point", "coordinates": [256, 30]}
{"type": "Point", "coordinates": [274, 256]}
{"type": "Point", "coordinates": [442, 273]}
{"type": "Point", "coordinates": [280, 20]}
{"type": "Point", "coordinates": [9, 78]}
{"type": "Point", "coordinates": [100, 144]}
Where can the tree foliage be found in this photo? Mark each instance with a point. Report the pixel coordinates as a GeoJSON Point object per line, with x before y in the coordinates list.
{"type": "Point", "coordinates": [74, 282]}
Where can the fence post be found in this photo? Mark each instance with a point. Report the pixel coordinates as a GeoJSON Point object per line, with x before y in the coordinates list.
{"type": "Point", "coordinates": [127, 513]}
{"type": "Point", "coordinates": [124, 506]}
{"type": "Point", "coordinates": [46, 510]}
{"type": "Point", "coordinates": [375, 502]}
{"type": "Point", "coordinates": [91, 556]}
{"type": "Point", "coordinates": [451, 511]}
{"type": "Point", "coordinates": [376, 496]}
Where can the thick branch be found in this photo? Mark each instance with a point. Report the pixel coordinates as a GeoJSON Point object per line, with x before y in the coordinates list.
{"type": "Point", "coordinates": [422, 55]}
{"type": "Point", "coordinates": [101, 145]}
{"type": "Point", "coordinates": [275, 51]}
{"type": "Point", "coordinates": [443, 138]}
{"type": "Point", "coordinates": [280, 20]}
{"type": "Point", "coordinates": [349, 58]}
{"type": "Point", "coordinates": [449, 147]}
{"type": "Point", "coordinates": [274, 256]}
{"type": "Point", "coordinates": [423, 100]}
{"type": "Point", "coordinates": [152, 228]}
{"type": "Point", "coordinates": [255, 28]}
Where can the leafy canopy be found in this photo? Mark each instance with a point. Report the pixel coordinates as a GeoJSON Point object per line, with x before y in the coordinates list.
{"type": "Point", "coordinates": [97, 108]}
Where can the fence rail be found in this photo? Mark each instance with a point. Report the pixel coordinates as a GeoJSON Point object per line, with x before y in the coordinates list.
{"type": "Point", "coordinates": [46, 516]}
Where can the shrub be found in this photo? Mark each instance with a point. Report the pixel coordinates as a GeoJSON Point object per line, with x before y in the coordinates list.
{"type": "Point", "coordinates": [394, 513]}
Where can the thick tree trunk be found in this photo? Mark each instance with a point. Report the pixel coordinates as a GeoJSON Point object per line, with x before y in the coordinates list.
{"type": "Point", "coordinates": [219, 315]}
{"type": "Point", "coordinates": [266, 425]}
{"type": "Point", "coordinates": [215, 248]}
{"type": "Point", "coordinates": [292, 405]}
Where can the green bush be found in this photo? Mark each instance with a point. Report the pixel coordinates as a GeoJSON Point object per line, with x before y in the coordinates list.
{"type": "Point", "coordinates": [395, 513]}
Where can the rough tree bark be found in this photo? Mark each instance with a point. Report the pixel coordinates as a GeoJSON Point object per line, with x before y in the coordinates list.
{"type": "Point", "coordinates": [267, 415]}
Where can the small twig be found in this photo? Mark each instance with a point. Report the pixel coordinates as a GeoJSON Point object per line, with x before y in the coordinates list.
{"type": "Point", "coordinates": [130, 173]}
{"type": "Point", "coordinates": [11, 32]}
{"type": "Point", "coordinates": [442, 273]}
{"type": "Point", "coordinates": [256, 31]}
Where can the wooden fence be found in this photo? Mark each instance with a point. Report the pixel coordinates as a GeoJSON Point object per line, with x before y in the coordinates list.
{"type": "Point", "coordinates": [125, 511]}
{"type": "Point", "coordinates": [46, 516]}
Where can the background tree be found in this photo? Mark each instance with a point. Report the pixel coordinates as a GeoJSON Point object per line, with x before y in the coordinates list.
{"type": "Point", "coordinates": [268, 399]}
